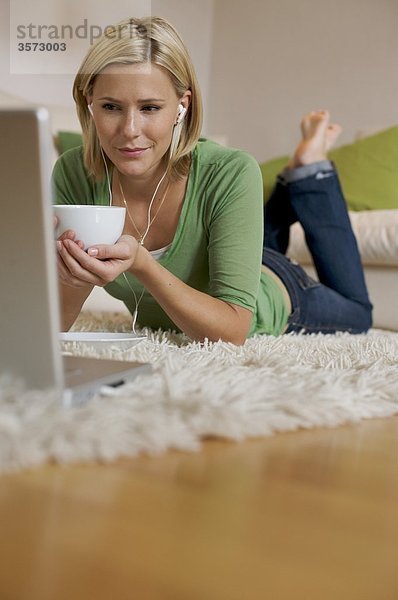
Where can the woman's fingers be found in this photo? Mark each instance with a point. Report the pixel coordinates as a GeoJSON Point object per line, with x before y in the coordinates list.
{"type": "Point", "coordinates": [76, 263]}
{"type": "Point", "coordinates": [67, 235]}
{"type": "Point", "coordinates": [98, 267]}
{"type": "Point", "coordinates": [66, 277]}
{"type": "Point", "coordinates": [124, 249]}
{"type": "Point", "coordinates": [91, 270]}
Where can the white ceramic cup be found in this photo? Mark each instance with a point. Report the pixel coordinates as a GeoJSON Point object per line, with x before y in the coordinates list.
{"type": "Point", "coordinates": [92, 224]}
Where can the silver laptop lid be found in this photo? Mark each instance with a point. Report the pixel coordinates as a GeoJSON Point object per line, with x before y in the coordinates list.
{"type": "Point", "coordinates": [29, 313]}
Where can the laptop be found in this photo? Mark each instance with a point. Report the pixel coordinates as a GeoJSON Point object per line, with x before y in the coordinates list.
{"type": "Point", "coordinates": [30, 347]}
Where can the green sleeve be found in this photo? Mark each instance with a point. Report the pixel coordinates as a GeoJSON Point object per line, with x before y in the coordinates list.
{"type": "Point", "coordinates": [236, 231]}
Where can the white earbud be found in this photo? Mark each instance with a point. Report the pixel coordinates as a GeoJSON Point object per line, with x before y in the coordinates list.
{"type": "Point", "coordinates": [90, 109]}
{"type": "Point", "coordinates": [181, 113]}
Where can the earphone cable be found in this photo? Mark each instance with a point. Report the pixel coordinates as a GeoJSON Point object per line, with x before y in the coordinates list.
{"type": "Point", "coordinates": [136, 302]}
{"type": "Point", "coordinates": [149, 223]}
{"type": "Point", "coordinates": [108, 179]}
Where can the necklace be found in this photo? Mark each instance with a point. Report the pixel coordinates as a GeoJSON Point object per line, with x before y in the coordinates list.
{"type": "Point", "coordinates": [142, 236]}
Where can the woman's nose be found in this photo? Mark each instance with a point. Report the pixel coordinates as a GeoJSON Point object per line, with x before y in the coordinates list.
{"type": "Point", "coordinates": [131, 123]}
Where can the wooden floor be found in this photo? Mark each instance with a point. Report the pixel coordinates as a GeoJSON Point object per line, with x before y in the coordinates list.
{"type": "Point", "coordinates": [299, 516]}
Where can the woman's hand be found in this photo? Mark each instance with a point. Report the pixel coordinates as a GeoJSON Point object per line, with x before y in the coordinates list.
{"type": "Point", "coordinates": [100, 265]}
{"type": "Point", "coordinates": [63, 274]}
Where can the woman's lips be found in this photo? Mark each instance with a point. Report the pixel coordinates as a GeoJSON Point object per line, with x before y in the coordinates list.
{"type": "Point", "coordinates": [132, 152]}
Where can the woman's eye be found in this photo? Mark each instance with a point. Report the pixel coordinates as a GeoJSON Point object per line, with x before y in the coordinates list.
{"type": "Point", "coordinates": [150, 108]}
{"type": "Point", "coordinates": [109, 107]}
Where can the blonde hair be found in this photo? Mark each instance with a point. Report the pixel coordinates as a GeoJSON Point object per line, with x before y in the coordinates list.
{"type": "Point", "coordinates": [147, 40]}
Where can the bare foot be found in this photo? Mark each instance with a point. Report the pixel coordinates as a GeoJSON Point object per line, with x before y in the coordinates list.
{"type": "Point", "coordinates": [319, 135]}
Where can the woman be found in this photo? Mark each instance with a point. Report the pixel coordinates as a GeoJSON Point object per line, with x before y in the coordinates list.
{"type": "Point", "coordinates": [191, 256]}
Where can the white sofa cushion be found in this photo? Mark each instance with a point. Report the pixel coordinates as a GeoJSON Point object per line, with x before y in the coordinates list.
{"type": "Point", "coordinates": [376, 232]}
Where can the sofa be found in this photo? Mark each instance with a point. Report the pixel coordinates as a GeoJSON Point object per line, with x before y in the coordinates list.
{"type": "Point", "coordinates": [368, 170]}
{"type": "Point", "coordinates": [377, 235]}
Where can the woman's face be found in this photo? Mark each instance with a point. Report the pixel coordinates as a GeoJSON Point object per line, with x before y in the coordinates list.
{"type": "Point", "coordinates": [135, 108]}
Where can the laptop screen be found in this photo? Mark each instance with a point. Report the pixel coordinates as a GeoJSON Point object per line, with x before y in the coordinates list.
{"type": "Point", "coordinates": [29, 312]}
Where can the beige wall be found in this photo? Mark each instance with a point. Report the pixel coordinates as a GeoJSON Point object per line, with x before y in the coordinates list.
{"type": "Point", "coordinates": [192, 18]}
{"type": "Point", "coordinates": [274, 60]}
{"type": "Point", "coordinates": [263, 63]}
{"type": "Point", "coordinates": [194, 21]}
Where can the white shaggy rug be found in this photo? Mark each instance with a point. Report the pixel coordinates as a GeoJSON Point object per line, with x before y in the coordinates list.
{"type": "Point", "coordinates": [199, 390]}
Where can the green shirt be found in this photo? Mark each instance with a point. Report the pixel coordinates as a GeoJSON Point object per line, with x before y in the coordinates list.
{"type": "Point", "coordinates": [217, 247]}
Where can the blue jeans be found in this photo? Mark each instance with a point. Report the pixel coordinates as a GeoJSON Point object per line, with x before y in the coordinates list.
{"type": "Point", "coordinates": [339, 301]}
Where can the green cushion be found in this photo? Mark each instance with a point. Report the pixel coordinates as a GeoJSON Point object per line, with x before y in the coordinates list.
{"type": "Point", "coordinates": [368, 171]}
{"type": "Point", "coordinates": [68, 139]}
{"type": "Point", "coordinates": [270, 170]}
